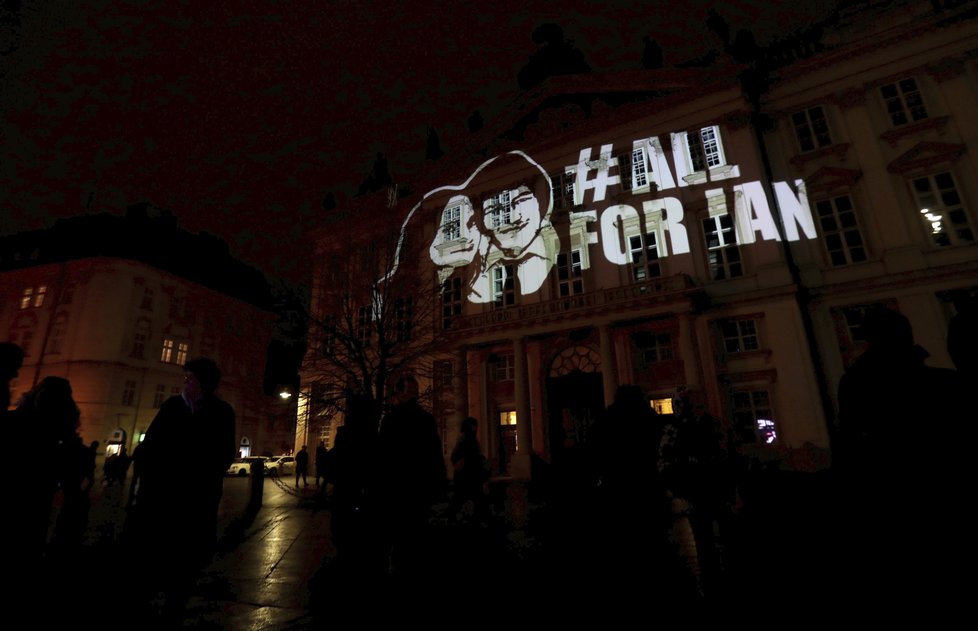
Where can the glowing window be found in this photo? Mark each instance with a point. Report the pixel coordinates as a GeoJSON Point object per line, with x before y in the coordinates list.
{"type": "Point", "coordinates": [183, 349]}
{"type": "Point", "coordinates": [507, 417]}
{"type": "Point", "coordinates": [942, 210]}
{"type": "Point", "coordinates": [39, 295]}
{"type": "Point", "coordinates": [661, 406]}
{"type": "Point", "coordinates": [752, 416]}
{"type": "Point", "coordinates": [25, 298]}
{"type": "Point", "coordinates": [167, 355]}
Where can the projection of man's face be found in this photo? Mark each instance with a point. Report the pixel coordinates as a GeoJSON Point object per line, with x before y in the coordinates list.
{"type": "Point", "coordinates": [508, 230]}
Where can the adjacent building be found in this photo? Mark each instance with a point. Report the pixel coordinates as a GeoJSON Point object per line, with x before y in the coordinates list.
{"type": "Point", "coordinates": [118, 304]}
{"type": "Point", "coordinates": [720, 229]}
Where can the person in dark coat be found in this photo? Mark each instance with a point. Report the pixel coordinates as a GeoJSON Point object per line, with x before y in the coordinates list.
{"type": "Point", "coordinates": [302, 465]}
{"type": "Point", "coordinates": [182, 461]}
{"type": "Point", "coordinates": [471, 471]}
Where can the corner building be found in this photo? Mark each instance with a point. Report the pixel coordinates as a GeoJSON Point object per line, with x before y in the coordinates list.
{"type": "Point", "coordinates": [671, 228]}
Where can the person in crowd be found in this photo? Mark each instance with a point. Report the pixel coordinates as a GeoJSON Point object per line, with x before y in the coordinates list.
{"type": "Point", "coordinates": [412, 478]}
{"type": "Point", "coordinates": [11, 359]}
{"type": "Point", "coordinates": [181, 464]}
{"type": "Point", "coordinates": [471, 472]}
{"type": "Point", "coordinates": [302, 465]}
{"type": "Point", "coordinates": [322, 460]}
{"type": "Point", "coordinates": [122, 466]}
{"type": "Point", "coordinates": [90, 457]}
{"type": "Point", "coordinates": [900, 452]}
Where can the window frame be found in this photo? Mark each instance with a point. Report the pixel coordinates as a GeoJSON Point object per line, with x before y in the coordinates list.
{"type": "Point", "coordinates": [903, 106]}
{"type": "Point", "coordinates": [818, 135]}
{"type": "Point", "coordinates": [951, 231]}
{"type": "Point", "coordinates": [846, 223]}
{"type": "Point", "coordinates": [720, 258]}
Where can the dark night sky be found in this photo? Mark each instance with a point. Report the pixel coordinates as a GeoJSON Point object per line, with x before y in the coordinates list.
{"type": "Point", "coordinates": [240, 116]}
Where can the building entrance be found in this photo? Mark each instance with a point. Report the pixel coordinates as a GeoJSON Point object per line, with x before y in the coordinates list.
{"type": "Point", "coordinates": [574, 402]}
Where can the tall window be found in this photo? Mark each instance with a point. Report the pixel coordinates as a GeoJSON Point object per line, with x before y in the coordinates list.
{"type": "Point", "coordinates": [499, 210]}
{"type": "Point", "coordinates": [129, 392]}
{"type": "Point", "coordinates": [723, 254]}
{"type": "Point", "coordinates": [705, 151]}
{"type": "Point", "coordinates": [903, 101]}
{"type": "Point", "coordinates": [632, 169]}
{"type": "Point", "coordinates": [942, 210]}
{"type": "Point", "coordinates": [562, 190]}
{"type": "Point", "coordinates": [645, 256]}
{"type": "Point", "coordinates": [451, 301]}
{"type": "Point", "coordinates": [183, 349]}
{"type": "Point", "coordinates": [58, 331]}
{"type": "Point", "coordinates": [159, 396]}
{"type": "Point", "coordinates": [739, 336]}
{"type": "Point", "coordinates": [33, 296]}
{"type": "Point", "coordinates": [451, 222]}
{"type": "Point", "coordinates": [403, 319]}
{"type": "Point", "coordinates": [147, 301]}
{"type": "Point", "coordinates": [570, 275]}
{"type": "Point", "coordinates": [168, 347]}
{"type": "Point", "coordinates": [655, 347]}
{"type": "Point", "coordinates": [503, 286]}
{"type": "Point", "coordinates": [811, 129]}
{"type": "Point", "coordinates": [841, 236]}
{"type": "Point", "coordinates": [364, 321]}
{"type": "Point", "coordinates": [753, 420]}
{"type": "Point", "coordinates": [503, 368]}
{"type": "Point", "coordinates": [139, 338]}
{"type": "Point", "coordinates": [444, 373]}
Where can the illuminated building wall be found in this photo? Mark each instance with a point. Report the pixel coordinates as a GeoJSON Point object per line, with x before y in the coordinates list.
{"type": "Point", "coordinates": [120, 330]}
{"type": "Point", "coordinates": [594, 245]}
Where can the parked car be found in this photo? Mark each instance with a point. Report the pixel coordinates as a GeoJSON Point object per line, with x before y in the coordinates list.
{"type": "Point", "coordinates": [280, 465]}
{"type": "Point", "coordinates": [242, 466]}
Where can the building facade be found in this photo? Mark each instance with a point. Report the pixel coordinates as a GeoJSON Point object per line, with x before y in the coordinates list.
{"type": "Point", "coordinates": [117, 305]}
{"type": "Point", "coordinates": [681, 228]}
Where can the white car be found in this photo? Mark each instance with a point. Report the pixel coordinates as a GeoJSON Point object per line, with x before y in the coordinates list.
{"type": "Point", "coordinates": [242, 466]}
{"type": "Point", "coordinates": [280, 465]}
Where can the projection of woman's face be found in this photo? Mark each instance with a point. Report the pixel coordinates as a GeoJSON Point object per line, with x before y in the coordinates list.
{"type": "Point", "coordinates": [508, 229]}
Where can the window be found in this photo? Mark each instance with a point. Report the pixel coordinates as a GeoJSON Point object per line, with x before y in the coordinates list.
{"type": "Point", "coordinates": [68, 294]}
{"type": "Point", "coordinates": [903, 102]}
{"type": "Point", "coordinates": [645, 256]}
{"type": "Point", "coordinates": [183, 348]}
{"type": "Point", "coordinates": [33, 296]}
{"type": "Point", "coordinates": [503, 286]}
{"type": "Point", "coordinates": [147, 301]}
{"type": "Point", "coordinates": [451, 301]}
{"type": "Point", "coordinates": [167, 355]}
{"type": "Point", "coordinates": [633, 170]}
{"type": "Point", "coordinates": [661, 406]}
{"type": "Point", "coordinates": [499, 210]}
{"type": "Point", "coordinates": [39, 295]}
{"type": "Point", "coordinates": [753, 421]}
{"type": "Point", "coordinates": [942, 210]}
{"type": "Point", "coordinates": [704, 148]}
{"type": "Point", "coordinates": [159, 396]}
{"type": "Point", "coordinates": [562, 190]}
{"type": "Point", "coordinates": [507, 417]}
{"type": "Point", "coordinates": [840, 231]}
{"type": "Point", "coordinates": [811, 129]}
{"type": "Point", "coordinates": [58, 331]}
{"type": "Point", "coordinates": [364, 320]}
{"type": "Point", "coordinates": [139, 338]}
{"type": "Point", "coordinates": [444, 373]}
{"type": "Point", "coordinates": [656, 347]}
{"type": "Point", "coordinates": [327, 344]}
{"type": "Point", "coordinates": [503, 368]}
{"type": "Point", "coordinates": [403, 319]}
{"type": "Point", "coordinates": [739, 336]}
{"type": "Point", "coordinates": [451, 222]}
{"type": "Point", "coordinates": [129, 393]}
{"type": "Point", "coordinates": [723, 254]}
{"type": "Point", "coordinates": [570, 275]}
{"type": "Point", "coordinates": [854, 317]}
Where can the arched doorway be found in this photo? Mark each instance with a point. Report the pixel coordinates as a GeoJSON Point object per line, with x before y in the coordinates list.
{"type": "Point", "coordinates": [575, 400]}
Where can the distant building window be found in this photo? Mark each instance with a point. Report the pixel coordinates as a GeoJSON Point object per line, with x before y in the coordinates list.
{"type": "Point", "coordinates": [444, 373]}
{"type": "Point", "coordinates": [503, 367]}
{"type": "Point", "coordinates": [39, 295]}
{"type": "Point", "coordinates": [753, 420]}
{"type": "Point", "coordinates": [739, 336]}
{"type": "Point", "coordinates": [68, 294]}
{"type": "Point", "coordinates": [499, 210]}
{"type": "Point", "coordinates": [644, 251]}
{"type": "Point", "coordinates": [167, 355]}
{"type": "Point", "coordinates": [656, 347]}
{"type": "Point", "coordinates": [129, 393]}
{"type": "Point", "coordinates": [451, 222]}
{"type": "Point", "coordinates": [403, 319]}
{"type": "Point", "coordinates": [570, 274]}
{"type": "Point", "coordinates": [633, 169]}
{"type": "Point", "coordinates": [841, 236]}
{"type": "Point", "coordinates": [159, 396]}
{"type": "Point", "coordinates": [723, 254]}
{"type": "Point", "coordinates": [147, 301]}
{"type": "Point", "coordinates": [661, 406]}
{"type": "Point", "coordinates": [451, 301]}
{"type": "Point", "coordinates": [811, 129]}
{"type": "Point", "coordinates": [705, 150]}
{"type": "Point", "coordinates": [904, 102]}
{"type": "Point", "coordinates": [183, 349]}
{"type": "Point", "coordinates": [140, 337]}
{"type": "Point", "coordinates": [33, 296]}
{"type": "Point", "coordinates": [58, 331]}
{"type": "Point", "coordinates": [942, 210]}
{"type": "Point", "coordinates": [364, 322]}
{"type": "Point", "coordinates": [562, 190]}
{"type": "Point", "coordinates": [503, 286]}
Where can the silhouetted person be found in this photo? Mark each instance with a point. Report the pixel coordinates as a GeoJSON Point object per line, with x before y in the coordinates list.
{"type": "Point", "coordinates": [11, 359]}
{"type": "Point", "coordinates": [187, 449]}
{"type": "Point", "coordinates": [471, 472]}
{"type": "Point", "coordinates": [412, 478]}
{"type": "Point", "coordinates": [89, 478]}
{"type": "Point", "coordinates": [962, 341]}
{"type": "Point", "coordinates": [302, 465]}
{"type": "Point", "coordinates": [122, 466]}
{"type": "Point", "coordinates": [322, 460]}
{"type": "Point", "coordinates": [901, 455]}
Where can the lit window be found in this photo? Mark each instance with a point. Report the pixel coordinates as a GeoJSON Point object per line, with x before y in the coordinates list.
{"type": "Point", "coordinates": [661, 406]}
{"type": "Point", "coordinates": [499, 210]}
{"type": "Point", "coordinates": [752, 416]}
{"type": "Point", "coordinates": [451, 223]}
{"type": "Point", "coordinates": [129, 393]}
{"type": "Point", "coordinates": [840, 231]}
{"type": "Point", "coordinates": [633, 169]}
{"type": "Point", "coordinates": [645, 256]}
{"type": "Point", "coordinates": [183, 349]}
{"type": "Point", "coordinates": [562, 190]}
{"type": "Point", "coordinates": [503, 286]}
{"type": "Point", "coordinates": [739, 336]}
{"type": "Point", "coordinates": [942, 210]}
{"type": "Point", "coordinates": [723, 255]}
{"type": "Point", "coordinates": [570, 274]}
{"type": "Point", "coordinates": [705, 151]}
{"type": "Point", "coordinates": [167, 355]}
{"type": "Point", "coordinates": [811, 129]}
{"type": "Point", "coordinates": [904, 102]}
{"type": "Point", "coordinates": [25, 298]}
{"type": "Point", "coordinates": [39, 295]}
{"type": "Point", "coordinates": [507, 417]}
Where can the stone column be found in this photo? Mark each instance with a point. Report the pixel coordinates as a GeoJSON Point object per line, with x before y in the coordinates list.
{"type": "Point", "coordinates": [609, 366]}
{"type": "Point", "coordinates": [520, 466]}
